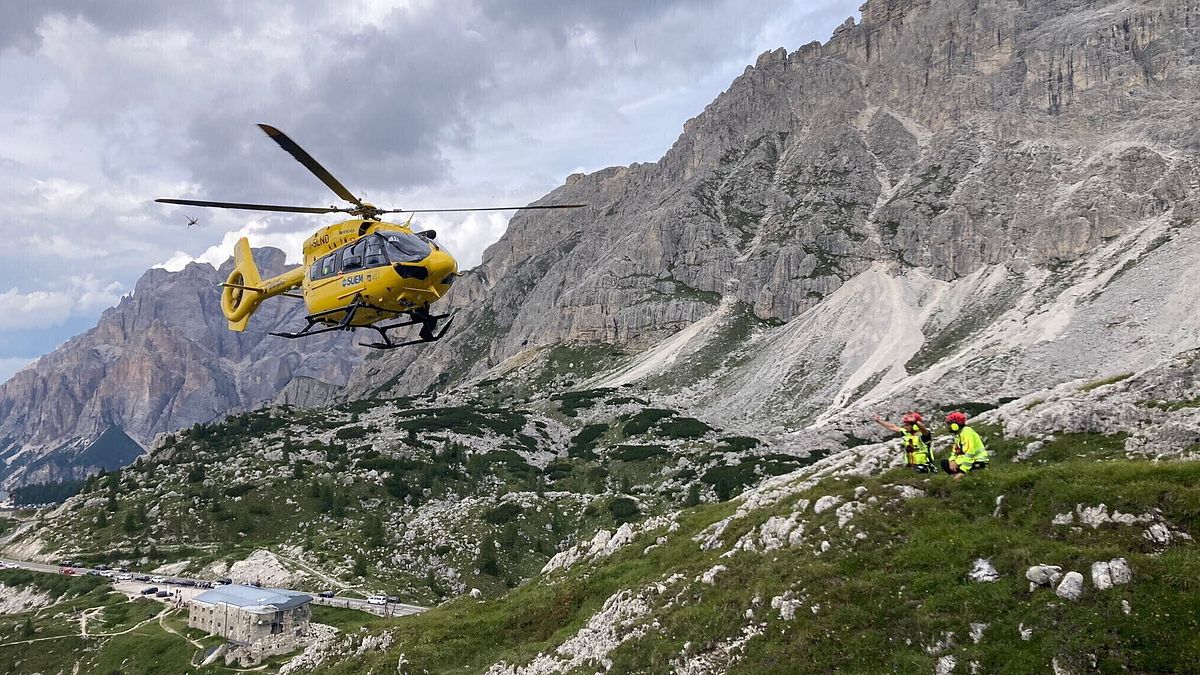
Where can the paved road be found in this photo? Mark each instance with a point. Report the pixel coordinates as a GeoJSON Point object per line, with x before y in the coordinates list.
{"type": "Point", "coordinates": [180, 593]}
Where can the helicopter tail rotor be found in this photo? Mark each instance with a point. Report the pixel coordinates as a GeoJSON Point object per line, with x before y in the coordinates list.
{"type": "Point", "coordinates": [240, 294]}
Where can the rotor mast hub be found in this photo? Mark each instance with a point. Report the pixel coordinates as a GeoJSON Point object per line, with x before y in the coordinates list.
{"type": "Point", "coordinates": [367, 211]}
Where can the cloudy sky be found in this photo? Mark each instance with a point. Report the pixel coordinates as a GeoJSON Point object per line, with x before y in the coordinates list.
{"type": "Point", "coordinates": [410, 103]}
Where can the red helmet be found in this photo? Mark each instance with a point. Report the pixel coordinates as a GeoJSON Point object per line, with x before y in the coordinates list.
{"type": "Point", "coordinates": [912, 417]}
{"type": "Point", "coordinates": [956, 418]}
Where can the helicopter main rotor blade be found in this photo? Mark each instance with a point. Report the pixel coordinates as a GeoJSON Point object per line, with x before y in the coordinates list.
{"type": "Point", "coordinates": [488, 208]}
{"type": "Point", "coordinates": [309, 163]}
{"type": "Point", "coordinates": [254, 207]}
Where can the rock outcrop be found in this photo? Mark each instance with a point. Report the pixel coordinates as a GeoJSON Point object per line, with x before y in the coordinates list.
{"type": "Point", "coordinates": [160, 360]}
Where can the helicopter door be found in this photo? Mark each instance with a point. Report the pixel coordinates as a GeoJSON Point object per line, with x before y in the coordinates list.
{"type": "Point", "coordinates": [353, 266]}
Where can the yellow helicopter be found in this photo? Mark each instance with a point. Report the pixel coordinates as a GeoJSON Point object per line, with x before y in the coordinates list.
{"type": "Point", "coordinates": [356, 273]}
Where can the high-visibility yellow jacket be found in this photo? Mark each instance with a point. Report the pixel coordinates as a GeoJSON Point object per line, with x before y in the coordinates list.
{"type": "Point", "coordinates": [915, 449]}
{"type": "Point", "coordinates": [969, 449]}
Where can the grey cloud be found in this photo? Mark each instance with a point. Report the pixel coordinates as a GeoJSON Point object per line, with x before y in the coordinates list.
{"type": "Point", "coordinates": [506, 92]}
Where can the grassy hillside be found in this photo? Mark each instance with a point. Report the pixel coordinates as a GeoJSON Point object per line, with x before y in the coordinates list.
{"type": "Point", "coordinates": [675, 546]}
{"type": "Point", "coordinates": [123, 636]}
{"type": "Point", "coordinates": [423, 498]}
{"type": "Point", "coordinates": [891, 587]}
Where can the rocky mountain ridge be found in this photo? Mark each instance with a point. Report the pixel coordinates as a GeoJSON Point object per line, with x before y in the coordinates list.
{"type": "Point", "coordinates": [160, 360]}
{"type": "Point", "coordinates": [942, 198]}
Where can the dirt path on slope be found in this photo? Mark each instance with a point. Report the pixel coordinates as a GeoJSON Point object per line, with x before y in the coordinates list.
{"type": "Point", "coordinates": [91, 635]}
{"type": "Point", "coordinates": [162, 616]}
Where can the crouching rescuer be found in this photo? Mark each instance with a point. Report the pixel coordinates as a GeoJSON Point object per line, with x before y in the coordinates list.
{"type": "Point", "coordinates": [968, 453]}
{"type": "Point", "coordinates": [918, 441]}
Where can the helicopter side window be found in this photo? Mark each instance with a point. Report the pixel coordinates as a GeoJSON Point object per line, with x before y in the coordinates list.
{"type": "Point", "coordinates": [325, 267]}
{"type": "Point", "coordinates": [352, 256]}
{"type": "Point", "coordinates": [407, 248]}
{"type": "Point", "coordinates": [329, 266]}
{"type": "Point", "coordinates": [374, 256]}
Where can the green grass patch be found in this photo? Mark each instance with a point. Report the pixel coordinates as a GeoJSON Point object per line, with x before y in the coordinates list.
{"type": "Point", "coordinates": [641, 422]}
{"type": "Point", "coordinates": [1171, 406]}
{"type": "Point", "coordinates": [345, 619]}
{"type": "Point", "coordinates": [1096, 384]}
{"type": "Point", "coordinates": [738, 444]}
{"type": "Point", "coordinates": [638, 453]}
{"type": "Point", "coordinates": [54, 585]}
{"type": "Point", "coordinates": [573, 401]}
{"type": "Point", "coordinates": [683, 428]}
{"type": "Point", "coordinates": [583, 445]}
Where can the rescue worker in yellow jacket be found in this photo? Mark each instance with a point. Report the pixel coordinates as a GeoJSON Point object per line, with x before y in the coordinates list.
{"type": "Point", "coordinates": [968, 453]}
{"type": "Point", "coordinates": [918, 441]}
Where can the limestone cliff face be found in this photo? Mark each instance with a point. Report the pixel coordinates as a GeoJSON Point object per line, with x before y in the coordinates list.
{"type": "Point", "coordinates": [926, 147]}
{"type": "Point", "coordinates": [160, 360]}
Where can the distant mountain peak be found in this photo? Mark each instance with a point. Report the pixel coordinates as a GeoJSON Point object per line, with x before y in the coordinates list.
{"type": "Point", "coordinates": [161, 359]}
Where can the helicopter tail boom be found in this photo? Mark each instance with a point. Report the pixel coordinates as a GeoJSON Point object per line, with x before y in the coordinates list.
{"type": "Point", "coordinates": [244, 289]}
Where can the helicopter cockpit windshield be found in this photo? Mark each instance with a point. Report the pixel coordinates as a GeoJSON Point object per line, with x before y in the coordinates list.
{"type": "Point", "coordinates": [406, 248]}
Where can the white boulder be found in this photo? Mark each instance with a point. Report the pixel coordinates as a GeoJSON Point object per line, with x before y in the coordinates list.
{"type": "Point", "coordinates": [1071, 587]}
{"type": "Point", "coordinates": [1044, 575]}
{"type": "Point", "coordinates": [983, 571]}
{"type": "Point", "coordinates": [825, 503]}
{"type": "Point", "coordinates": [1093, 516]}
{"type": "Point", "coordinates": [710, 577]}
{"type": "Point", "coordinates": [1118, 570]}
{"type": "Point", "coordinates": [1063, 519]}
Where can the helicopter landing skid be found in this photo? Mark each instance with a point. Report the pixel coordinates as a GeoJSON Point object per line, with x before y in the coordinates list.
{"type": "Point", "coordinates": [428, 323]}
{"type": "Point", "coordinates": [319, 317]}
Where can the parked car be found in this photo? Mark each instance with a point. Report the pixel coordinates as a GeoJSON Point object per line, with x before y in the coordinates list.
{"type": "Point", "coordinates": [393, 598]}
{"type": "Point", "coordinates": [224, 581]}
{"type": "Point", "coordinates": [256, 584]}
{"type": "Point", "coordinates": [151, 590]}
{"type": "Point", "coordinates": [377, 600]}
{"type": "Point", "coordinates": [67, 571]}
{"type": "Point", "coordinates": [125, 577]}
{"type": "Point", "coordinates": [124, 568]}
{"type": "Point", "coordinates": [141, 577]}
{"type": "Point", "coordinates": [158, 580]}
{"type": "Point", "coordinates": [326, 594]}
{"type": "Point", "coordinates": [108, 573]}
{"type": "Point", "coordinates": [101, 566]}
{"type": "Point", "coordinates": [163, 594]}
{"type": "Point", "coordinates": [204, 584]}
